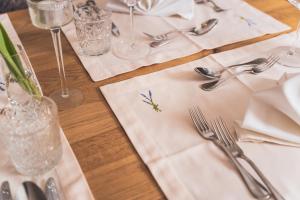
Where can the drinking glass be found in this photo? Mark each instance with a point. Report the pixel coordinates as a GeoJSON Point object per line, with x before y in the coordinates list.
{"type": "Point", "coordinates": [31, 135]}
{"type": "Point", "coordinates": [290, 55]}
{"type": "Point", "coordinates": [52, 15]}
{"type": "Point", "coordinates": [93, 28]}
{"type": "Point", "coordinates": [130, 49]}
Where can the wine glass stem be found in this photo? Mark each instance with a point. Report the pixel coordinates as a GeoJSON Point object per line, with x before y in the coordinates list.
{"type": "Point", "coordinates": [131, 25]}
{"type": "Point", "coordinates": [55, 32]}
{"type": "Point", "coordinates": [293, 46]}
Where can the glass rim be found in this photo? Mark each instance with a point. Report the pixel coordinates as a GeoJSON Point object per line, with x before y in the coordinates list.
{"type": "Point", "coordinates": [54, 117]}
{"type": "Point", "coordinates": [35, 2]}
{"type": "Point", "coordinates": [106, 15]}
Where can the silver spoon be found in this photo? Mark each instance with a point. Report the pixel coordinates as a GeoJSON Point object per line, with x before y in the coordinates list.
{"type": "Point", "coordinates": [211, 74]}
{"type": "Point", "coordinates": [215, 7]}
{"type": "Point", "coordinates": [205, 27]}
{"type": "Point", "coordinates": [254, 70]}
{"type": "Point", "coordinates": [155, 44]}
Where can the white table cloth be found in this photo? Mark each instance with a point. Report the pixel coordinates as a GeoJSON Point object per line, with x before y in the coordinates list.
{"type": "Point", "coordinates": [185, 165]}
{"type": "Point", "coordinates": [240, 22]}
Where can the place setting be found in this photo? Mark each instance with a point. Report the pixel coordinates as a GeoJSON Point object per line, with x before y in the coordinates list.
{"type": "Point", "coordinates": [239, 104]}
{"type": "Point", "coordinates": [187, 28]}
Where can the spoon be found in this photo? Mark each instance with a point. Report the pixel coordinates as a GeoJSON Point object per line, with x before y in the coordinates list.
{"type": "Point", "coordinates": [254, 70]}
{"type": "Point", "coordinates": [155, 44]}
{"type": "Point", "coordinates": [211, 74]}
{"type": "Point", "coordinates": [215, 7]}
{"type": "Point", "coordinates": [204, 28]}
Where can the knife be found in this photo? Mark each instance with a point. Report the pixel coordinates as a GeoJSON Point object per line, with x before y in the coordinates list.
{"type": "Point", "coordinates": [33, 191]}
{"type": "Point", "coordinates": [52, 192]}
{"type": "Point", "coordinates": [5, 191]}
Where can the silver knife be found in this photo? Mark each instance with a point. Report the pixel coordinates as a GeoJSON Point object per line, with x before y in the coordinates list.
{"type": "Point", "coordinates": [115, 30]}
{"type": "Point", "coordinates": [33, 191]}
{"type": "Point", "coordinates": [52, 192]}
{"type": "Point", "coordinates": [5, 191]}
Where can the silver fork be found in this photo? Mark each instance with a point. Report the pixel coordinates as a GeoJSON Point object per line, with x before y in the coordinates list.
{"type": "Point", "coordinates": [207, 86]}
{"type": "Point", "coordinates": [256, 188]}
{"type": "Point", "coordinates": [165, 36]}
{"type": "Point", "coordinates": [223, 134]}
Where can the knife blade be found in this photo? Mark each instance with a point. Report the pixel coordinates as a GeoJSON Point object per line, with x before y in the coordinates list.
{"type": "Point", "coordinates": [52, 192]}
{"type": "Point", "coordinates": [33, 191]}
{"type": "Point", "coordinates": [115, 30]}
{"type": "Point", "coordinates": [5, 191]}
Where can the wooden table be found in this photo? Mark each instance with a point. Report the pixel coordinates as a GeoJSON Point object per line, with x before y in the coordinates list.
{"type": "Point", "coordinates": [109, 161]}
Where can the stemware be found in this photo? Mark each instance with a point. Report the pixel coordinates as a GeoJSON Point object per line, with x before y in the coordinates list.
{"type": "Point", "coordinates": [52, 15]}
{"type": "Point", "coordinates": [130, 48]}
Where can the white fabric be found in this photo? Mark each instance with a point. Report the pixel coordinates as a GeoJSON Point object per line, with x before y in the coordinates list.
{"type": "Point", "coordinates": [70, 175]}
{"type": "Point", "coordinates": [184, 8]}
{"type": "Point", "coordinates": [270, 117]}
{"type": "Point", "coordinates": [245, 22]}
{"type": "Point", "coordinates": [185, 165]}
{"type": "Point", "coordinates": [275, 114]}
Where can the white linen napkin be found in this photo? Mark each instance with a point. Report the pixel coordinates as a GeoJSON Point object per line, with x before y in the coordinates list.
{"type": "Point", "coordinates": [274, 114]}
{"type": "Point", "coordinates": [71, 177]}
{"type": "Point", "coordinates": [186, 166]}
{"type": "Point", "coordinates": [183, 8]}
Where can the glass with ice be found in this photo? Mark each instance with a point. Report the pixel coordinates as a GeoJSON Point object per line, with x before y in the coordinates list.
{"type": "Point", "coordinates": [31, 134]}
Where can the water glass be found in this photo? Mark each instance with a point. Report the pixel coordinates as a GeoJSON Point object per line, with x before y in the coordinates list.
{"type": "Point", "coordinates": [31, 135]}
{"type": "Point", "coordinates": [93, 28]}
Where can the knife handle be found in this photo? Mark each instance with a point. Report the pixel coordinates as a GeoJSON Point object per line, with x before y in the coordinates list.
{"type": "Point", "coordinates": [255, 188]}
{"type": "Point", "coordinates": [272, 189]}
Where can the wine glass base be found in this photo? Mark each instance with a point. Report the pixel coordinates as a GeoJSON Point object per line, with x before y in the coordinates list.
{"type": "Point", "coordinates": [287, 57]}
{"type": "Point", "coordinates": [131, 51]}
{"type": "Point", "coordinates": [75, 99]}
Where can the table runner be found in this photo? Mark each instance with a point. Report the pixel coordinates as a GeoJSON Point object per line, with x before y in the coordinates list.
{"type": "Point", "coordinates": [72, 180]}
{"type": "Point", "coordinates": [240, 22]}
{"type": "Point", "coordinates": [185, 165]}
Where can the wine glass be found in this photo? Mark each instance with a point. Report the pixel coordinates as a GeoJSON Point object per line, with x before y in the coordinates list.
{"type": "Point", "coordinates": [130, 49]}
{"type": "Point", "coordinates": [290, 55]}
{"type": "Point", "coordinates": [52, 15]}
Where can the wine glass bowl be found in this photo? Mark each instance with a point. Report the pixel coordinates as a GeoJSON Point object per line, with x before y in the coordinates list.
{"type": "Point", "coordinates": [130, 48]}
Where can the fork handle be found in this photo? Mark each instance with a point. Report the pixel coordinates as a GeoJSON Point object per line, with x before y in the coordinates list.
{"type": "Point", "coordinates": [255, 187]}
{"type": "Point", "coordinates": [272, 189]}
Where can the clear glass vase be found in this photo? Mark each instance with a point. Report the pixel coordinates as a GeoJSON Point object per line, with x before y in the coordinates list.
{"type": "Point", "coordinates": [29, 124]}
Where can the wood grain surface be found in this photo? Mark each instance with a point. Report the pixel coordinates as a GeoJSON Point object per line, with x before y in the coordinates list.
{"type": "Point", "coordinates": [109, 161]}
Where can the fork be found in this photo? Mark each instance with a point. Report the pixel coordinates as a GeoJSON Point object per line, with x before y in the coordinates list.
{"type": "Point", "coordinates": [224, 135]}
{"type": "Point", "coordinates": [204, 130]}
{"type": "Point", "coordinates": [207, 86]}
{"type": "Point", "coordinates": [165, 36]}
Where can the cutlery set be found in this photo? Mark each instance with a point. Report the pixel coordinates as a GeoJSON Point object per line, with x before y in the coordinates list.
{"type": "Point", "coordinates": [254, 67]}
{"type": "Point", "coordinates": [31, 191]}
{"type": "Point", "coordinates": [218, 132]}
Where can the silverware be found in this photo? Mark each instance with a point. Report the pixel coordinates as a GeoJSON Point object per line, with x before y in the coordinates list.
{"type": "Point", "coordinates": [211, 74]}
{"type": "Point", "coordinates": [255, 188]}
{"type": "Point", "coordinates": [155, 44]}
{"type": "Point", "coordinates": [215, 7]}
{"type": "Point", "coordinates": [5, 191]}
{"type": "Point", "coordinates": [52, 192]}
{"type": "Point", "coordinates": [253, 70]}
{"type": "Point", "coordinates": [33, 191]}
{"type": "Point", "coordinates": [115, 30]}
{"type": "Point", "coordinates": [223, 134]}
{"type": "Point", "coordinates": [205, 28]}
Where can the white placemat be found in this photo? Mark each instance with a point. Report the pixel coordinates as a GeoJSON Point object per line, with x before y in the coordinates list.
{"type": "Point", "coordinates": [71, 177]}
{"type": "Point", "coordinates": [240, 22]}
{"type": "Point", "coordinates": [185, 165]}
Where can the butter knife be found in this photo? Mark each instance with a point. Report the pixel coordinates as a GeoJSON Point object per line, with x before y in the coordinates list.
{"type": "Point", "coordinates": [33, 191]}
{"type": "Point", "coordinates": [51, 190]}
{"type": "Point", "coordinates": [5, 191]}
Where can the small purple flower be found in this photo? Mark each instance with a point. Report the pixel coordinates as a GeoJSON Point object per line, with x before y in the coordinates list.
{"type": "Point", "coordinates": [149, 100]}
